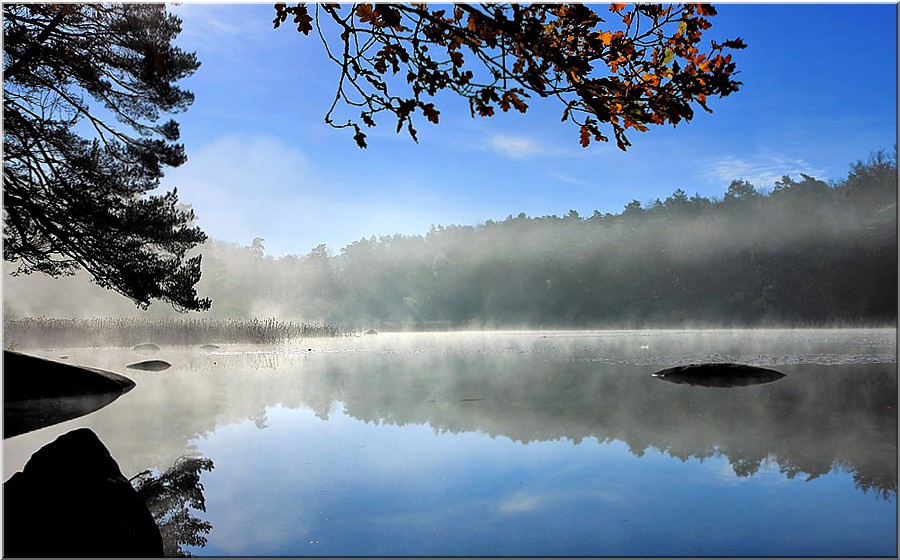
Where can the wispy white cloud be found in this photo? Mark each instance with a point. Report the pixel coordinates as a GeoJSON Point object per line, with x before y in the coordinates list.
{"type": "Point", "coordinates": [216, 28]}
{"type": "Point", "coordinates": [761, 170]}
{"type": "Point", "coordinates": [240, 186]}
{"type": "Point", "coordinates": [203, 18]}
{"type": "Point", "coordinates": [244, 186]}
{"type": "Point", "coordinates": [513, 146]}
{"type": "Point", "coordinates": [569, 179]}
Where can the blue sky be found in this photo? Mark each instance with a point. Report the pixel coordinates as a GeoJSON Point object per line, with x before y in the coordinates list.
{"type": "Point", "coordinates": [820, 90]}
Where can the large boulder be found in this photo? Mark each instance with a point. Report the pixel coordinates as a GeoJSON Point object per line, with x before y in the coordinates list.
{"type": "Point", "coordinates": [150, 365]}
{"type": "Point", "coordinates": [29, 377]}
{"type": "Point", "coordinates": [71, 500]}
{"type": "Point", "coordinates": [39, 393]}
{"type": "Point", "coordinates": [719, 375]}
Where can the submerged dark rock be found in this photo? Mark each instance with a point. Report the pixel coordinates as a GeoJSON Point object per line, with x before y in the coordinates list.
{"type": "Point", "coordinates": [209, 346]}
{"type": "Point", "coordinates": [146, 348]}
{"type": "Point", "coordinates": [71, 500]}
{"type": "Point", "coordinates": [719, 375]}
{"type": "Point", "coordinates": [150, 365]}
{"type": "Point", "coordinates": [39, 393]}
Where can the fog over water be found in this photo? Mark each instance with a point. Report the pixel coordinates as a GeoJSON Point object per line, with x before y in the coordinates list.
{"type": "Point", "coordinates": [803, 253]}
{"type": "Point", "coordinates": [513, 385]}
{"type": "Point", "coordinates": [692, 375]}
{"type": "Point", "coordinates": [399, 431]}
{"type": "Point", "coordinates": [521, 416]}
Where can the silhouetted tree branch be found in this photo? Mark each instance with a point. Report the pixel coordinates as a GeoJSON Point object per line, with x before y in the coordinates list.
{"type": "Point", "coordinates": [643, 67]}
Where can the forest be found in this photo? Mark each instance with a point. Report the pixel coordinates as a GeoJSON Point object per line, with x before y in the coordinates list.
{"type": "Point", "coordinates": [803, 253]}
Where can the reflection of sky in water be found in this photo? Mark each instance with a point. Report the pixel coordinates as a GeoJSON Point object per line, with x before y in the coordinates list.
{"type": "Point", "coordinates": [304, 486]}
{"type": "Point", "coordinates": [416, 444]}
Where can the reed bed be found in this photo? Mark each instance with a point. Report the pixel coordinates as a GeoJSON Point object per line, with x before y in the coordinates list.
{"type": "Point", "coordinates": [54, 332]}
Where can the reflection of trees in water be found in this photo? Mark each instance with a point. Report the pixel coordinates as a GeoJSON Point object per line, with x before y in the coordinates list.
{"type": "Point", "coordinates": [817, 420]}
{"type": "Point", "coordinates": [882, 485]}
{"type": "Point", "coordinates": [170, 497]}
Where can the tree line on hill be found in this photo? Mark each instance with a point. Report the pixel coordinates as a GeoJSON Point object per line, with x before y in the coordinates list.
{"type": "Point", "coordinates": [803, 253]}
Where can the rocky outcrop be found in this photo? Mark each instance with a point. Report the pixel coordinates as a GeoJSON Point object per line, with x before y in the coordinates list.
{"type": "Point", "coordinates": [39, 392]}
{"type": "Point", "coordinates": [150, 365]}
{"type": "Point", "coordinates": [71, 500]}
{"type": "Point", "coordinates": [719, 375]}
{"type": "Point", "coordinates": [29, 377]}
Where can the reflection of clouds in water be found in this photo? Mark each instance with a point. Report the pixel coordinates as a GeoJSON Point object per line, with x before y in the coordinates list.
{"type": "Point", "coordinates": [521, 502]}
{"type": "Point", "coordinates": [254, 465]}
{"type": "Point", "coordinates": [529, 501]}
{"type": "Point", "coordinates": [516, 387]}
{"type": "Point", "coordinates": [483, 383]}
{"type": "Point", "coordinates": [440, 444]}
{"type": "Point", "coordinates": [719, 471]}
{"type": "Point", "coordinates": [383, 480]}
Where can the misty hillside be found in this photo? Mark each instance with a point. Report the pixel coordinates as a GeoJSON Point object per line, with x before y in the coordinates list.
{"type": "Point", "coordinates": [803, 253]}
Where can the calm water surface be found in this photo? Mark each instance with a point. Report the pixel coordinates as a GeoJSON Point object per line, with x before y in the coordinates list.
{"type": "Point", "coordinates": [519, 443]}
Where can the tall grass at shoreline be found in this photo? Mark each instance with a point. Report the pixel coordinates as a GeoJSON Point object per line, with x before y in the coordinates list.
{"type": "Point", "coordinates": [52, 332]}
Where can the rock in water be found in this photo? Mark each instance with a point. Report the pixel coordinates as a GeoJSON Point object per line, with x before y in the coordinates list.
{"type": "Point", "coordinates": [71, 500]}
{"type": "Point", "coordinates": [29, 377]}
{"type": "Point", "coordinates": [719, 375]}
{"type": "Point", "coordinates": [209, 346]}
{"type": "Point", "coordinates": [146, 348]}
{"type": "Point", "coordinates": [39, 393]}
{"type": "Point", "coordinates": [150, 365]}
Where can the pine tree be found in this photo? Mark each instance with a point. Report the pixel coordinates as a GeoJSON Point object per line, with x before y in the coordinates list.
{"type": "Point", "coordinates": [84, 144]}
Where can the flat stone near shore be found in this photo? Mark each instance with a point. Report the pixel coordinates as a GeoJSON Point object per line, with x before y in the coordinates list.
{"type": "Point", "coordinates": [39, 392]}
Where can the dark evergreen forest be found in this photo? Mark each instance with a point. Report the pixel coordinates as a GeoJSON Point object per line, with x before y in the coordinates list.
{"type": "Point", "coordinates": [803, 253]}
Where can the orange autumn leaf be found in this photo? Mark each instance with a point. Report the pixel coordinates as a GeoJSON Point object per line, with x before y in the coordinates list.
{"type": "Point", "coordinates": [650, 56]}
{"type": "Point", "coordinates": [585, 136]}
{"type": "Point", "coordinates": [606, 37]}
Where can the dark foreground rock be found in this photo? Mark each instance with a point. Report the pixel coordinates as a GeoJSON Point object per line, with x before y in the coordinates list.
{"type": "Point", "coordinates": [71, 500]}
{"type": "Point", "coordinates": [39, 393]}
{"type": "Point", "coordinates": [150, 365]}
{"type": "Point", "coordinates": [719, 375]}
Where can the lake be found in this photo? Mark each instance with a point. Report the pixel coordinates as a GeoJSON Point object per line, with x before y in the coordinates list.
{"type": "Point", "coordinates": [518, 443]}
